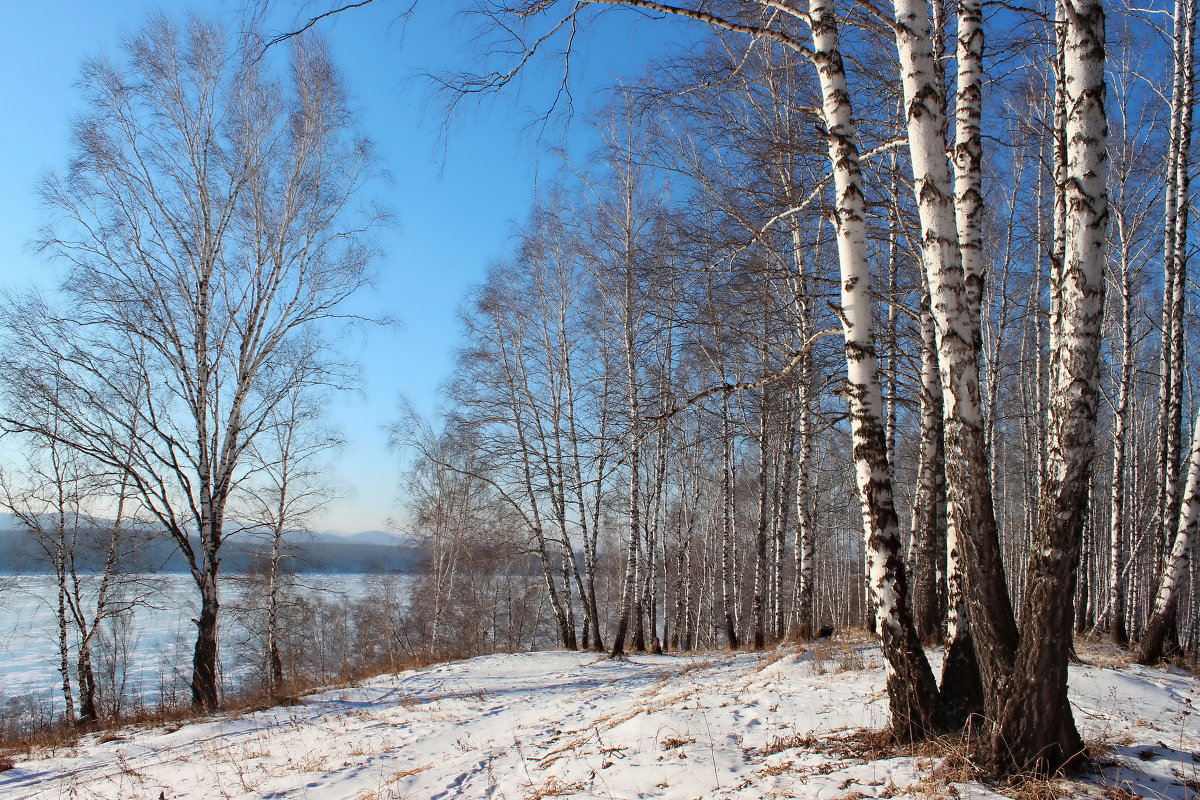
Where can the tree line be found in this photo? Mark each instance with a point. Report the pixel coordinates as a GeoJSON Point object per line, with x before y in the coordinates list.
{"type": "Point", "coordinates": [987, 455]}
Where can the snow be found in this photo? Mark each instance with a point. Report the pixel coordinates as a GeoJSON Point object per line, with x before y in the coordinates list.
{"type": "Point", "coordinates": [564, 724]}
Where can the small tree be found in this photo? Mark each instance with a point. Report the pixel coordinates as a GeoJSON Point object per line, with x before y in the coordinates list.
{"type": "Point", "coordinates": [286, 491]}
{"type": "Point", "coordinates": [91, 559]}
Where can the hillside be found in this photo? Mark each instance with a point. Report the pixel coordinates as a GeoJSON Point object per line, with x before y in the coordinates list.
{"type": "Point", "coordinates": [561, 724]}
{"type": "Point", "coordinates": [370, 552]}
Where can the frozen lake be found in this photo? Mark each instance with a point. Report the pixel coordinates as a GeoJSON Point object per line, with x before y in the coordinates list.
{"type": "Point", "coordinates": [157, 637]}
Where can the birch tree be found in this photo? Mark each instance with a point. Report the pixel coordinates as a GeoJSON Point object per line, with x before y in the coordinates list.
{"type": "Point", "coordinates": [93, 560]}
{"type": "Point", "coordinates": [280, 497]}
{"type": "Point", "coordinates": [1166, 600]}
{"type": "Point", "coordinates": [1176, 209]}
{"type": "Point", "coordinates": [208, 227]}
{"type": "Point", "coordinates": [1034, 726]}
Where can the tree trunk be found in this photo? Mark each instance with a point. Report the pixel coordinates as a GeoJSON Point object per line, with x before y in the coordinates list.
{"type": "Point", "coordinates": [274, 658]}
{"type": "Point", "coordinates": [758, 614]}
{"type": "Point", "coordinates": [1035, 730]}
{"type": "Point", "coordinates": [205, 696]}
{"type": "Point", "coordinates": [962, 684]}
{"type": "Point", "coordinates": [1116, 528]}
{"type": "Point", "coordinates": [951, 241]}
{"type": "Point", "coordinates": [64, 642]}
{"type": "Point", "coordinates": [629, 587]}
{"type": "Point", "coordinates": [1175, 274]}
{"type": "Point", "coordinates": [88, 712]}
{"type": "Point", "coordinates": [728, 606]}
{"type": "Point", "coordinates": [805, 546]}
{"type": "Point", "coordinates": [928, 540]}
{"type": "Point", "coordinates": [1154, 638]}
{"type": "Point", "coordinates": [913, 694]}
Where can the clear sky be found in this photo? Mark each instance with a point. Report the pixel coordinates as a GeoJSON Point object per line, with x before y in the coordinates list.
{"type": "Point", "coordinates": [457, 192]}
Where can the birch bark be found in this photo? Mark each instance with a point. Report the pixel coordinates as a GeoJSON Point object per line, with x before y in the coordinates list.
{"type": "Point", "coordinates": [1034, 726]}
{"type": "Point", "coordinates": [928, 542]}
{"type": "Point", "coordinates": [912, 692]}
{"type": "Point", "coordinates": [951, 243]}
{"type": "Point", "coordinates": [1178, 561]}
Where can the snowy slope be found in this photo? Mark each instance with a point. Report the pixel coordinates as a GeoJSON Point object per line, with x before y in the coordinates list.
{"type": "Point", "coordinates": [561, 724]}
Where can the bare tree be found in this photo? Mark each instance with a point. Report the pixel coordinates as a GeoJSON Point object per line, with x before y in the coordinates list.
{"type": "Point", "coordinates": [286, 488]}
{"type": "Point", "coordinates": [209, 227]}
{"type": "Point", "coordinates": [91, 558]}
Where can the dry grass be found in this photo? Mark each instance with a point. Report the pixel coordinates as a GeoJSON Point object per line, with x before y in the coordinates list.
{"type": "Point", "coordinates": [780, 652]}
{"type": "Point", "coordinates": [700, 664]}
{"type": "Point", "coordinates": [791, 741]}
{"type": "Point", "coordinates": [390, 790]}
{"type": "Point", "coordinates": [782, 767]}
{"type": "Point", "coordinates": [552, 787]}
{"type": "Point", "coordinates": [836, 656]}
{"type": "Point", "coordinates": [54, 737]}
{"type": "Point", "coordinates": [857, 634]}
{"type": "Point", "coordinates": [1101, 653]}
{"type": "Point", "coordinates": [820, 655]}
{"type": "Point", "coordinates": [850, 660]}
{"type": "Point", "coordinates": [947, 759]}
{"type": "Point", "coordinates": [672, 742]}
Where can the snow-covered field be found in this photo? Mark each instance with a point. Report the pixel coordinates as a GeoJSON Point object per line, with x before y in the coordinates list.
{"type": "Point", "coordinates": [561, 724]}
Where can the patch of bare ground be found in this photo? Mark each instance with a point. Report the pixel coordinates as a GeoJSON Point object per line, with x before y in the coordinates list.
{"type": "Point", "coordinates": [944, 761]}
{"type": "Point", "coordinates": [1100, 653]}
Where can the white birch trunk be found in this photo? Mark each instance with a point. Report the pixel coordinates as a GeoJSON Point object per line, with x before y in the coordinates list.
{"type": "Point", "coordinates": [1116, 526]}
{"type": "Point", "coordinates": [955, 297]}
{"type": "Point", "coordinates": [1178, 561]}
{"type": "Point", "coordinates": [912, 691]}
{"type": "Point", "coordinates": [1178, 273]}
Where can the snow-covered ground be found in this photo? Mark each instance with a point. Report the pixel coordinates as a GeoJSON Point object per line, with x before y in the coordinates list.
{"type": "Point", "coordinates": [561, 724]}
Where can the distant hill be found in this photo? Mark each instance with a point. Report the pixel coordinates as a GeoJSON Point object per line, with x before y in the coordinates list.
{"type": "Point", "coordinates": [370, 552]}
{"type": "Point", "coordinates": [362, 537]}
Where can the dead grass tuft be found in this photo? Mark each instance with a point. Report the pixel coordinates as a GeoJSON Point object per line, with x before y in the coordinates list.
{"type": "Point", "coordinates": [1023, 787]}
{"type": "Point", "coordinates": [772, 770]}
{"type": "Point", "coordinates": [945, 761]}
{"type": "Point", "coordinates": [49, 738]}
{"type": "Point", "coordinates": [672, 742]}
{"type": "Point", "coordinates": [862, 745]}
{"type": "Point", "coordinates": [6, 764]}
{"type": "Point", "coordinates": [390, 790]}
{"type": "Point", "coordinates": [552, 787]}
{"type": "Point", "coordinates": [836, 656]}
{"type": "Point", "coordinates": [850, 660]}
{"type": "Point", "coordinates": [857, 634]}
{"type": "Point", "coordinates": [791, 741]}
{"type": "Point", "coordinates": [770, 657]}
{"type": "Point", "coordinates": [698, 665]}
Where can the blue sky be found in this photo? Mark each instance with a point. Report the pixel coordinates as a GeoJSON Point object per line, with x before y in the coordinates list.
{"type": "Point", "coordinates": [458, 191]}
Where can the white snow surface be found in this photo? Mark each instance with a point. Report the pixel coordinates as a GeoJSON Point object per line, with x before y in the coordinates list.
{"type": "Point", "coordinates": [575, 725]}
